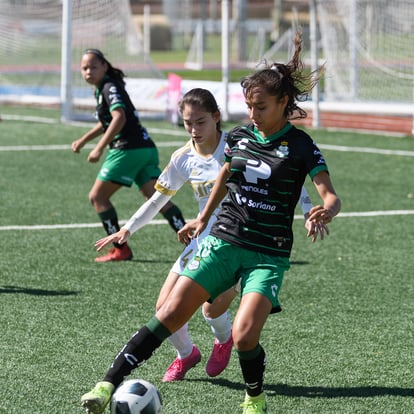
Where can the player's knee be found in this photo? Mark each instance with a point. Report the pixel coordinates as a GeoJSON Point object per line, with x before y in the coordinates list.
{"type": "Point", "coordinates": [158, 305]}
{"type": "Point", "coordinates": [209, 311]}
{"type": "Point", "coordinates": [244, 341]}
{"type": "Point", "coordinates": [92, 196]}
{"type": "Point", "coordinates": [170, 316]}
{"type": "Point", "coordinates": [98, 201]}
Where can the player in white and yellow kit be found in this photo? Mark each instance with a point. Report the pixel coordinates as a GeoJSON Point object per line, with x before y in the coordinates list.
{"type": "Point", "coordinates": [197, 163]}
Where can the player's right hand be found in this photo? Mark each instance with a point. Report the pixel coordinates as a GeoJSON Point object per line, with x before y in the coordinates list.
{"type": "Point", "coordinates": [191, 230]}
{"type": "Point", "coordinates": [120, 237]}
{"type": "Point", "coordinates": [77, 145]}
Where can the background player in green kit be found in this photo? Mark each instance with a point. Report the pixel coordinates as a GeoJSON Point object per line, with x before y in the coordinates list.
{"type": "Point", "coordinates": [132, 157]}
{"type": "Point", "coordinates": [259, 186]}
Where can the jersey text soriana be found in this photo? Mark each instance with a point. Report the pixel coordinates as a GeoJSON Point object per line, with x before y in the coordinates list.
{"type": "Point", "coordinates": [111, 95]}
{"type": "Point", "coordinates": [268, 174]}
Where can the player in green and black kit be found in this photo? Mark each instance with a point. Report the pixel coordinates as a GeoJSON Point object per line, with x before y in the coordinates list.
{"type": "Point", "coordinates": [132, 157]}
{"type": "Point", "coordinates": [259, 185]}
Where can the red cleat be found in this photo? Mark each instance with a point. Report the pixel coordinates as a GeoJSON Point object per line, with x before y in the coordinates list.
{"type": "Point", "coordinates": [116, 254]}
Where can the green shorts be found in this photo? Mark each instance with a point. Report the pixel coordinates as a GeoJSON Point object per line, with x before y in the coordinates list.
{"type": "Point", "coordinates": [219, 265]}
{"type": "Point", "coordinates": [130, 166]}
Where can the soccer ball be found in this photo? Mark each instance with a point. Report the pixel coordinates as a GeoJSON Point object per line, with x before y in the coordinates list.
{"type": "Point", "coordinates": [136, 396]}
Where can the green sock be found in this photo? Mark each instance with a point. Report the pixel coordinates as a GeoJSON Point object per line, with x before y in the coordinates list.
{"type": "Point", "coordinates": [158, 329]}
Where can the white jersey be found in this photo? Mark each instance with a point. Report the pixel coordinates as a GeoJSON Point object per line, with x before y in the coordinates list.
{"type": "Point", "coordinates": [188, 166]}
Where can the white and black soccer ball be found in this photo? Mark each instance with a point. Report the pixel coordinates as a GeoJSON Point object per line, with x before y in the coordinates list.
{"type": "Point", "coordinates": [136, 396]}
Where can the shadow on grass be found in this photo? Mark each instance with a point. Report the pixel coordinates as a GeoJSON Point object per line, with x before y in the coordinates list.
{"type": "Point", "coordinates": [157, 261]}
{"type": "Point", "coordinates": [150, 261]}
{"type": "Point", "coordinates": [338, 392]}
{"type": "Point", "coordinates": [320, 392]}
{"type": "Point", "coordinates": [137, 260]}
{"type": "Point", "coordinates": [36, 292]}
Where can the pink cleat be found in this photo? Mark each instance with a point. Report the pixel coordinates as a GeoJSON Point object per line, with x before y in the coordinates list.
{"type": "Point", "coordinates": [219, 358]}
{"type": "Point", "coordinates": [179, 367]}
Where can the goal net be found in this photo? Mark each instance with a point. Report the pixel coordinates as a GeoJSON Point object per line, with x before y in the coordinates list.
{"type": "Point", "coordinates": [368, 46]}
{"type": "Point", "coordinates": [31, 48]}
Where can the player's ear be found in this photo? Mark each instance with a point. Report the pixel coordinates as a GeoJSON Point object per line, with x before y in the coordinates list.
{"type": "Point", "coordinates": [283, 100]}
{"type": "Point", "coordinates": [216, 116]}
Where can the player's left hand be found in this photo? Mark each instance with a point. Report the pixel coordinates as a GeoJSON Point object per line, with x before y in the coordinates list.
{"type": "Point", "coordinates": [94, 155]}
{"type": "Point", "coordinates": [316, 229]}
{"type": "Point", "coordinates": [320, 214]}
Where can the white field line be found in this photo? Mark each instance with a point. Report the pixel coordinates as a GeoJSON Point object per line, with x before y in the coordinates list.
{"type": "Point", "coordinates": [170, 132]}
{"type": "Point", "coordinates": [168, 144]}
{"type": "Point", "coordinates": [161, 222]}
{"type": "Point", "coordinates": [69, 147]}
{"type": "Point", "coordinates": [38, 119]}
{"type": "Point", "coordinates": [68, 226]}
{"type": "Point", "coordinates": [366, 150]}
{"type": "Point", "coordinates": [177, 144]}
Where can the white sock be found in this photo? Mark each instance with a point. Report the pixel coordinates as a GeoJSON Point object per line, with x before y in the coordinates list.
{"type": "Point", "coordinates": [181, 341]}
{"type": "Point", "coordinates": [220, 326]}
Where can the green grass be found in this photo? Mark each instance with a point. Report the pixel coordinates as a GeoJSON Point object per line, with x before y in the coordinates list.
{"type": "Point", "coordinates": [343, 343]}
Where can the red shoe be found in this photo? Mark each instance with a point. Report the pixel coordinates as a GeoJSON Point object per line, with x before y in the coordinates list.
{"type": "Point", "coordinates": [179, 367]}
{"type": "Point", "coordinates": [219, 358]}
{"type": "Point", "coordinates": [116, 254]}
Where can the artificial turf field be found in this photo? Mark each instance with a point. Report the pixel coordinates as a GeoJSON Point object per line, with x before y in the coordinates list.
{"type": "Point", "coordinates": [344, 342]}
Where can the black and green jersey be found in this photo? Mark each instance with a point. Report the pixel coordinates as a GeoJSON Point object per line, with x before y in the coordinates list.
{"type": "Point", "coordinates": [268, 174]}
{"type": "Point", "coordinates": [110, 95]}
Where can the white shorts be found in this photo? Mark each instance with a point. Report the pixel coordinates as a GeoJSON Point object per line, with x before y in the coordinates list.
{"type": "Point", "coordinates": [190, 250]}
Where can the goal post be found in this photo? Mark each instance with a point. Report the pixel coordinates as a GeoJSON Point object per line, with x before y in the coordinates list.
{"type": "Point", "coordinates": [112, 30]}
{"type": "Point", "coordinates": [66, 75]}
{"type": "Point", "coordinates": [41, 43]}
{"type": "Point", "coordinates": [368, 46]}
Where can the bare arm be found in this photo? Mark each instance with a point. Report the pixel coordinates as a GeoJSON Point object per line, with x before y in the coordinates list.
{"type": "Point", "coordinates": [88, 136]}
{"type": "Point", "coordinates": [139, 219]}
{"type": "Point", "coordinates": [331, 202]}
{"type": "Point", "coordinates": [314, 229]}
{"type": "Point", "coordinates": [195, 227]}
{"type": "Point", "coordinates": [115, 126]}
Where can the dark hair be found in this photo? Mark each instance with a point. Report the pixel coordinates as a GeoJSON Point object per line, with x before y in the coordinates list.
{"type": "Point", "coordinates": [113, 72]}
{"type": "Point", "coordinates": [202, 98]}
{"type": "Point", "coordinates": [285, 80]}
